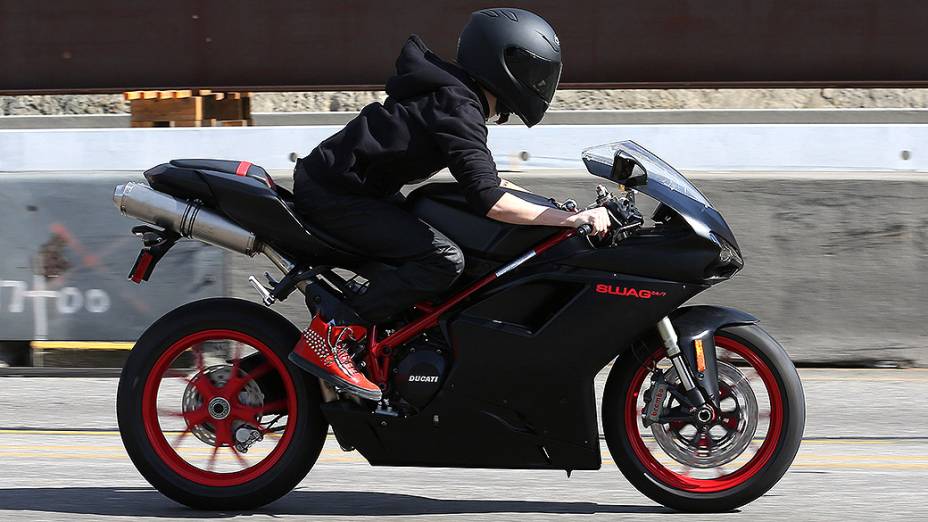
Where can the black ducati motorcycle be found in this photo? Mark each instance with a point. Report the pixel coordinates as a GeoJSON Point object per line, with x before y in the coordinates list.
{"type": "Point", "coordinates": [702, 409]}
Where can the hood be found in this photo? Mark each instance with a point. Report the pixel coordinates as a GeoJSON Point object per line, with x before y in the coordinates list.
{"type": "Point", "coordinates": [420, 71]}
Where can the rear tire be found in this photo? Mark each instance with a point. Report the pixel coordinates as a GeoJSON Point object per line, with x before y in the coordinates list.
{"type": "Point", "coordinates": [728, 491]}
{"type": "Point", "coordinates": [270, 478]}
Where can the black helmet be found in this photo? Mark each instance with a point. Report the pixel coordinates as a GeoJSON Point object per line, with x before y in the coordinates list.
{"type": "Point", "coordinates": [515, 55]}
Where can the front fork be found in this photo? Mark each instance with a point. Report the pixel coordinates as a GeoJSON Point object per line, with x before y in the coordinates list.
{"type": "Point", "coordinates": [698, 375]}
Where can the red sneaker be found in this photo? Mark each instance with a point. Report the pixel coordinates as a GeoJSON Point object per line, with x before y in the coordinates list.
{"type": "Point", "coordinates": [322, 351]}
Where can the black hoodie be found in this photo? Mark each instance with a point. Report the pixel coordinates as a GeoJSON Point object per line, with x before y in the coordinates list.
{"type": "Point", "coordinates": [434, 117]}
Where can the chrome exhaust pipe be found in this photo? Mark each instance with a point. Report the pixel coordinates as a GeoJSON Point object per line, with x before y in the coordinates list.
{"type": "Point", "coordinates": [186, 218]}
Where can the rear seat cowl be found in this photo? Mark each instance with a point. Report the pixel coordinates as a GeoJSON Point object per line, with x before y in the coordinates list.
{"type": "Point", "coordinates": [239, 168]}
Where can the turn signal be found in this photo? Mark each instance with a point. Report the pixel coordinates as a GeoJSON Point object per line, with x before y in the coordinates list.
{"type": "Point", "coordinates": [700, 357]}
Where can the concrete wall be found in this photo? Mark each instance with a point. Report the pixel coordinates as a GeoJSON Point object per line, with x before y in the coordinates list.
{"type": "Point", "coordinates": [836, 241]}
{"type": "Point", "coordinates": [837, 269]}
{"type": "Point", "coordinates": [739, 147]}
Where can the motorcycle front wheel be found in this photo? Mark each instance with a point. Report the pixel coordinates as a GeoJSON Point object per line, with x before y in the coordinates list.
{"type": "Point", "coordinates": [210, 411]}
{"type": "Point", "coordinates": [716, 466]}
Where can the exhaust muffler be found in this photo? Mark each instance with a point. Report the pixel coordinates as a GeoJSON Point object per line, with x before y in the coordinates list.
{"type": "Point", "coordinates": [186, 218]}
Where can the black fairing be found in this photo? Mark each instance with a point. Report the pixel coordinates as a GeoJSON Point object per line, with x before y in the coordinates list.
{"type": "Point", "coordinates": [520, 392]}
{"type": "Point", "coordinates": [527, 348]}
{"type": "Point", "coordinates": [689, 208]}
{"type": "Point", "coordinates": [663, 252]}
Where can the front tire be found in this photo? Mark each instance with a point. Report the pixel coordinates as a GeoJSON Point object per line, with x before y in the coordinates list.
{"type": "Point", "coordinates": [188, 395]}
{"type": "Point", "coordinates": [696, 486]}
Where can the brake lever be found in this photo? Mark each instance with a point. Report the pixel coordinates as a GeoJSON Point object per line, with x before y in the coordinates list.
{"type": "Point", "coordinates": [630, 226]}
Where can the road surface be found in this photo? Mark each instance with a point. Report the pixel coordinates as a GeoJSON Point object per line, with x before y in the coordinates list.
{"type": "Point", "coordinates": [865, 456]}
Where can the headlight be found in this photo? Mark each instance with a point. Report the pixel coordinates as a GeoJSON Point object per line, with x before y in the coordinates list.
{"type": "Point", "coordinates": [728, 253]}
{"type": "Point", "coordinates": [729, 260]}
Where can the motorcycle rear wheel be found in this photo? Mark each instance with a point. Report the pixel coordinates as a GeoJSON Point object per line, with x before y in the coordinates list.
{"type": "Point", "coordinates": [698, 487]}
{"type": "Point", "coordinates": [187, 391]}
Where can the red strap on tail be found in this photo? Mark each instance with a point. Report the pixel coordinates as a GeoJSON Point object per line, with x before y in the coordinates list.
{"type": "Point", "coordinates": [242, 168]}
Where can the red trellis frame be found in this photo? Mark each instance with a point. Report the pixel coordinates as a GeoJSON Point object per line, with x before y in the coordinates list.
{"type": "Point", "coordinates": [380, 352]}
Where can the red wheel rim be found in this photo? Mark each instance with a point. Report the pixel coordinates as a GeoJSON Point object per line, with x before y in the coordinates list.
{"type": "Point", "coordinates": [165, 449]}
{"type": "Point", "coordinates": [741, 475]}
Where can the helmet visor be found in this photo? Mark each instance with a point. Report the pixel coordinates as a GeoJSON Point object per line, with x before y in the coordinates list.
{"type": "Point", "coordinates": [538, 74]}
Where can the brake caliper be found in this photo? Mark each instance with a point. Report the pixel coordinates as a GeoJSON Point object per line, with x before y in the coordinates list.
{"type": "Point", "coordinates": [245, 437]}
{"type": "Point", "coordinates": [654, 400]}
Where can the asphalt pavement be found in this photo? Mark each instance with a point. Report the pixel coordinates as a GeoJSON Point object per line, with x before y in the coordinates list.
{"type": "Point", "coordinates": [865, 456]}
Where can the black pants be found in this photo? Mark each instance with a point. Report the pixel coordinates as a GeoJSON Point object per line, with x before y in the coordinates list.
{"type": "Point", "coordinates": [423, 261]}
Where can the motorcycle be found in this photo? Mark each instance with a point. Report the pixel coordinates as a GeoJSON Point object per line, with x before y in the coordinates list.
{"type": "Point", "coordinates": [702, 410]}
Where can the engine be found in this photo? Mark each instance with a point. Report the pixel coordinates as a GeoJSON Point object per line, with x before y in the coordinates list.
{"type": "Point", "coordinates": [421, 369]}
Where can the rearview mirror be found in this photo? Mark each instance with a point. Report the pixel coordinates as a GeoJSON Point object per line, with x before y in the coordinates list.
{"type": "Point", "coordinates": [626, 170]}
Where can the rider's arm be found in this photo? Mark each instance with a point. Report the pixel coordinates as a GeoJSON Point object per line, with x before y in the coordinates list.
{"type": "Point", "coordinates": [505, 183]}
{"type": "Point", "coordinates": [512, 209]}
{"type": "Point", "coordinates": [462, 134]}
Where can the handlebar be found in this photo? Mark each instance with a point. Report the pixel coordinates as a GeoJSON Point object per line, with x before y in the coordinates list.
{"type": "Point", "coordinates": [623, 214]}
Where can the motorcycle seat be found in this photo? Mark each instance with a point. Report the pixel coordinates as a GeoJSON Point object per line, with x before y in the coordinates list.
{"type": "Point", "coordinates": [239, 168]}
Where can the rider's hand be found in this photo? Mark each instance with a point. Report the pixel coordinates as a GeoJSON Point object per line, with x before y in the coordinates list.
{"type": "Point", "coordinates": [598, 218]}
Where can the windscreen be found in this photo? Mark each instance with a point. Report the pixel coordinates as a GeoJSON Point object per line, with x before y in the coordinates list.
{"type": "Point", "coordinates": [598, 161]}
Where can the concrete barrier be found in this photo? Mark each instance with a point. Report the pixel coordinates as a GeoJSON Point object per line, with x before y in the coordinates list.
{"type": "Point", "coordinates": [831, 217]}
{"type": "Point", "coordinates": [834, 147]}
{"type": "Point", "coordinates": [66, 253]}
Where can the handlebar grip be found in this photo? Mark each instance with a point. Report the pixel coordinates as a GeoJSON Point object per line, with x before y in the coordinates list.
{"type": "Point", "coordinates": [585, 229]}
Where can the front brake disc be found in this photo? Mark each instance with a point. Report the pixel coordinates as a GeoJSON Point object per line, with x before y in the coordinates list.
{"type": "Point", "coordinates": [720, 441]}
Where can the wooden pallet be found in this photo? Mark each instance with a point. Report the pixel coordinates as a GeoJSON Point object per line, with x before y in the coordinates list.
{"type": "Point", "coordinates": [189, 108]}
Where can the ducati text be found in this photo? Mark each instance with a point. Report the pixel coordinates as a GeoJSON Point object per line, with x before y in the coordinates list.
{"type": "Point", "coordinates": [423, 378]}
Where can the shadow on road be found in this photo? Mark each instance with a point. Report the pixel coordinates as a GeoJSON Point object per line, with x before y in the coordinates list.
{"type": "Point", "coordinates": [148, 502]}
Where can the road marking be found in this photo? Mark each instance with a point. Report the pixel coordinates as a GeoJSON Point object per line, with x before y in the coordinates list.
{"type": "Point", "coordinates": [921, 378]}
{"type": "Point", "coordinates": [811, 440]}
{"type": "Point", "coordinates": [851, 441]}
{"type": "Point", "coordinates": [8, 448]}
{"type": "Point", "coordinates": [865, 465]}
{"type": "Point", "coordinates": [82, 345]}
{"type": "Point", "coordinates": [358, 459]}
{"type": "Point", "coordinates": [57, 432]}
{"type": "Point", "coordinates": [333, 455]}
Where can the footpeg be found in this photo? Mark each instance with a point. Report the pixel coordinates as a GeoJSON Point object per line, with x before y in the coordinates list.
{"type": "Point", "coordinates": [270, 279]}
{"type": "Point", "coordinates": [386, 409]}
{"type": "Point", "coordinates": [266, 296]}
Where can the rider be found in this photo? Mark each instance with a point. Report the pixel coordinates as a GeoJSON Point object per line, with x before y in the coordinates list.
{"type": "Point", "coordinates": [435, 115]}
